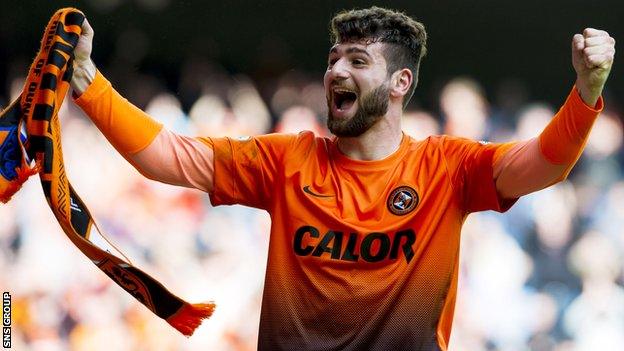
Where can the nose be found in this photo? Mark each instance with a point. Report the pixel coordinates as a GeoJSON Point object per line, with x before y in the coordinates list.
{"type": "Point", "coordinates": [339, 71]}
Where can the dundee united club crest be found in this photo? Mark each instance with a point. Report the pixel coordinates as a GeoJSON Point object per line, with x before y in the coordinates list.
{"type": "Point", "coordinates": [402, 200]}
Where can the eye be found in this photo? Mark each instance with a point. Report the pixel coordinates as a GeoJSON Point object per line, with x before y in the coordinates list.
{"type": "Point", "coordinates": [331, 62]}
{"type": "Point", "coordinates": [358, 62]}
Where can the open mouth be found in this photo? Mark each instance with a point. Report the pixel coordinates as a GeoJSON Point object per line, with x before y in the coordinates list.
{"type": "Point", "coordinates": [344, 99]}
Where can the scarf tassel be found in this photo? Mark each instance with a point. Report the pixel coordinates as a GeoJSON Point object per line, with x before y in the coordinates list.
{"type": "Point", "coordinates": [23, 173]}
{"type": "Point", "coordinates": [190, 316]}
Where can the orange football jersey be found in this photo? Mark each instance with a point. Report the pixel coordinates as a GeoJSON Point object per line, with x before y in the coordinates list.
{"type": "Point", "coordinates": [363, 255]}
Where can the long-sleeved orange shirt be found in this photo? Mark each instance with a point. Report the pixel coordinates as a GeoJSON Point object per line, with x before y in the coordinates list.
{"type": "Point", "coordinates": [362, 254]}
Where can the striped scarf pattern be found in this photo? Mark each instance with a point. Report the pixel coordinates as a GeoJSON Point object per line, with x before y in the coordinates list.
{"type": "Point", "coordinates": [37, 110]}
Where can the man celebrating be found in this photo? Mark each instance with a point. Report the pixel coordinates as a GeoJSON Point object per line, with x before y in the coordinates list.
{"type": "Point", "coordinates": [365, 229]}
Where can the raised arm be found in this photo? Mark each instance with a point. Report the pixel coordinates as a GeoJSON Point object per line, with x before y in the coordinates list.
{"type": "Point", "coordinates": [154, 151]}
{"type": "Point", "coordinates": [540, 162]}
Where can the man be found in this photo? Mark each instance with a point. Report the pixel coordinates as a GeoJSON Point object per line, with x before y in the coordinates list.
{"type": "Point", "coordinates": [365, 226]}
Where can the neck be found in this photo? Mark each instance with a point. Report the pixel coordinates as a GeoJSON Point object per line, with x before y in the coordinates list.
{"type": "Point", "coordinates": [379, 142]}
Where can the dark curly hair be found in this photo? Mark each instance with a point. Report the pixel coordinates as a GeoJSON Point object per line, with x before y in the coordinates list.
{"type": "Point", "coordinates": [406, 38]}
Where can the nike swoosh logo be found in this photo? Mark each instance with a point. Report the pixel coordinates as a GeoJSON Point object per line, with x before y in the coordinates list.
{"type": "Point", "coordinates": [307, 190]}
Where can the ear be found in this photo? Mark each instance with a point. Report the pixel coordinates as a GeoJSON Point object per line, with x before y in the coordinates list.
{"type": "Point", "coordinates": [401, 82]}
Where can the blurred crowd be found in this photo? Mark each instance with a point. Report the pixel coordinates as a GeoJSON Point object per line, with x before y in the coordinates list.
{"type": "Point", "coordinates": [546, 275]}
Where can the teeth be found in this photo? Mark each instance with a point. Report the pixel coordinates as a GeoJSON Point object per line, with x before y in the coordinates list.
{"type": "Point", "coordinates": [343, 91]}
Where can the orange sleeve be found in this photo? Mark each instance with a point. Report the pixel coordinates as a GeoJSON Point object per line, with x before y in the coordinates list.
{"type": "Point", "coordinates": [534, 164]}
{"type": "Point", "coordinates": [177, 160]}
{"type": "Point", "coordinates": [154, 151]}
{"type": "Point", "coordinates": [126, 127]}
{"type": "Point", "coordinates": [522, 169]}
{"type": "Point", "coordinates": [564, 138]}
{"type": "Point", "coordinates": [247, 169]}
{"type": "Point", "coordinates": [470, 166]}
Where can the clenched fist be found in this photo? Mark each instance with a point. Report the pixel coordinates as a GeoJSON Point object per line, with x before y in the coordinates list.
{"type": "Point", "coordinates": [592, 57]}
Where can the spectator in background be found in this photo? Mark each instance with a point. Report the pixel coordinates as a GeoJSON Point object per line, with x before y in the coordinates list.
{"type": "Point", "coordinates": [297, 119]}
{"type": "Point", "coordinates": [465, 109]}
{"type": "Point", "coordinates": [420, 124]}
{"type": "Point", "coordinates": [595, 319]}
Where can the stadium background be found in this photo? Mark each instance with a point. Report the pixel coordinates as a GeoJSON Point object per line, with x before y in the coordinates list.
{"type": "Point", "coordinates": [548, 275]}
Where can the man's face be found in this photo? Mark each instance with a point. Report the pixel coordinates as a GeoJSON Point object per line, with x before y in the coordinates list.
{"type": "Point", "coordinates": [356, 86]}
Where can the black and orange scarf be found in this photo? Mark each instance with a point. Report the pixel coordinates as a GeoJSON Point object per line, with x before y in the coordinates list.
{"type": "Point", "coordinates": [37, 110]}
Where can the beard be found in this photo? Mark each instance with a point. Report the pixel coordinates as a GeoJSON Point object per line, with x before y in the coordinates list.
{"type": "Point", "coordinates": [370, 109]}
